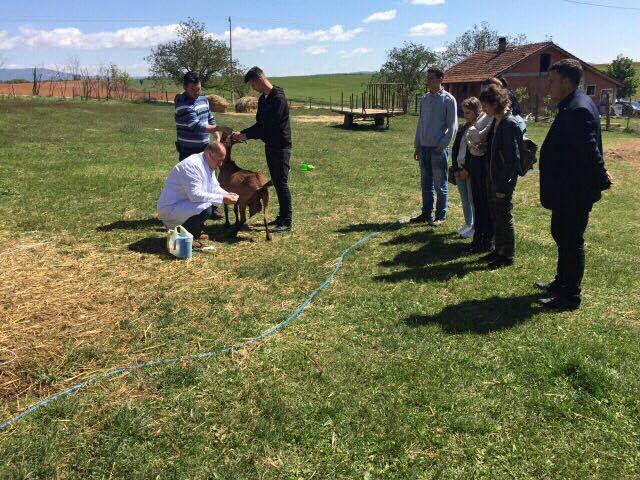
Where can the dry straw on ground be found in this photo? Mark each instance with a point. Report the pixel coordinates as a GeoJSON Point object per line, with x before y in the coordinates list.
{"type": "Point", "coordinates": [217, 103]}
{"type": "Point", "coordinates": [246, 105]}
{"type": "Point", "coordinates": [58, 300]}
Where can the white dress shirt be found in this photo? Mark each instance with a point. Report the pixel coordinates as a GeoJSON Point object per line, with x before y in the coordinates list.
{"type": "Point", "coordinates": [190, 188]}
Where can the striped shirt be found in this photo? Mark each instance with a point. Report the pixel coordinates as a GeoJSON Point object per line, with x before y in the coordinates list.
{"type": "Point", "coordinates": [192, 117]}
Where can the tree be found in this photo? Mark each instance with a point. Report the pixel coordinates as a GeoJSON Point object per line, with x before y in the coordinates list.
{"type": "Point", "coordinates": [477, 39]}
{"type": "Point", "coordinates": [407, 65]}
{"type": "Point", "coordinates": [623, 70]}
{"type": "Point", "coordinates": [194, 51]}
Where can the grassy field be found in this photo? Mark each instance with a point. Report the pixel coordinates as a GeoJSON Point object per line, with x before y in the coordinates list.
{"type": "Point", "coordinates": [321, 88]}
{"type": "Point", "coordinates": [415, 362]}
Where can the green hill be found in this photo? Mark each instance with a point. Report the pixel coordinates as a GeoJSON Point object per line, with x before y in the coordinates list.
{"type": "Point", "coordinates": [321, 88]}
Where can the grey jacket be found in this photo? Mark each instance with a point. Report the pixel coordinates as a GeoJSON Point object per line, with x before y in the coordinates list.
{"type": "Point", "coordinates": [438, 120]}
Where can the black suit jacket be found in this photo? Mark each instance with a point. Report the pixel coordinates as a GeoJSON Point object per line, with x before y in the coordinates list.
{"type": "Point", "coordinates": [572, 171]}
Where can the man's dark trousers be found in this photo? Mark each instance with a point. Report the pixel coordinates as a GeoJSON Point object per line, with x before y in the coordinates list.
{"type": "Point", "coordinates": [184, 152]}
{"type": "Point", "coordinates": [195, 224]}
{"type": "Point", "coordinates": [568, 225]}
{"type": "Point", "coordinates": [278, 160]}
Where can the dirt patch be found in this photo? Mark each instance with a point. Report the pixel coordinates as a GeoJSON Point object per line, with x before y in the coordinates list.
{"type": "Point", "coordinates": [318, 118]}
{"type": "Point", "coordinates": [628, 151]}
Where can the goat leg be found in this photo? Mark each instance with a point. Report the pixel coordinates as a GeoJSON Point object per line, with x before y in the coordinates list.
{"type": "Point", "coordinates": [227, 224]}
{"type": "Point", "coordinates": [265, 208]}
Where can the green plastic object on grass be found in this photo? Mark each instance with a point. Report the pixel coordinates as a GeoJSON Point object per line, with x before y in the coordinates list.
{"type": "Point", "coordinates": [306, 167]}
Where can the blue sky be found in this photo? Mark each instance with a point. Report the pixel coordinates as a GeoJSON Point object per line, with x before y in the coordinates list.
{"type": "Point", "coordinates": [298, 37]}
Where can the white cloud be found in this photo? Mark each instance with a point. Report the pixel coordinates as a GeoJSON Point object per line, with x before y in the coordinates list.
{"type": "Point", "coordinates": [381, 16]}
{"type": "Point", "coordinates": [356, 52]}
{"type": "Point", "coordinates": [249, 39]}
{"type": "Point", "coordinates": [71, 37]}
{"type": "Point", "coordinates": [428, 29]}
{"type": "Point", "coordinates": [149, 36]}
{"type": "Point", "coordinates": [427, 2]}
{"type": "Point", "coordinates": [315, 50]}
{"type": "Point", "coordinates": [440, 49]}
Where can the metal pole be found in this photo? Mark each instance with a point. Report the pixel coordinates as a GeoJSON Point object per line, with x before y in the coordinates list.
{"type": "Point", "coordinates": [230, 63]}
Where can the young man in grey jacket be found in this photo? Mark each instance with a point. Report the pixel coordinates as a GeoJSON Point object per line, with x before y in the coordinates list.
{"type": "Point", "coordinates": [437, 125]}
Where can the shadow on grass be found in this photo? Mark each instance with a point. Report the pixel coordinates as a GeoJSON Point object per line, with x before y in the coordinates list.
{"type": "Point", "coordinates": [151, 246]}
{"type": "Point", "coordinates": [131, 225]}
{"type": "Point", "coordinates": [370, 227]}
{"type": "Point", "coordinates": [360, 127]}
{"type": "Point", "coordinates": [430, 262]}
{"type": "Point", "coordinates": [481, 316]}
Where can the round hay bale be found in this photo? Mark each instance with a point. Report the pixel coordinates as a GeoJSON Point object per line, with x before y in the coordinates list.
{"type": "Point", "coordinates": [247, 105]}
{"type": "Point", "coordinates": [217, 103]}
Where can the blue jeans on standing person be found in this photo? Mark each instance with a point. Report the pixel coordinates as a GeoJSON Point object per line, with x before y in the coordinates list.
{"type": "Point", "coordinates": [433, 176]}
{"type": "Point", "coordinates": [466, 197]}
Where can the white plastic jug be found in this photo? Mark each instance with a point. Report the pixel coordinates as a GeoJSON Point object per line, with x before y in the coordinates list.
{"type": "Point", "coordinates": [180, 242]}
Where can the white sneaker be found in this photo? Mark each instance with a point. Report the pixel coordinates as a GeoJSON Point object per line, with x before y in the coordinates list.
{"type": "Point", "coordinates": [462, 229]}
{"type": "Point", "coordinates": [468, 233]}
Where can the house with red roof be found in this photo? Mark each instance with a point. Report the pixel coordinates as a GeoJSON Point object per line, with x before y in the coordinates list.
{"type": "Point", "coordinates": [523, 66]}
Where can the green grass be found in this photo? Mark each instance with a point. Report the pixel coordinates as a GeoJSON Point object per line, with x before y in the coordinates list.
{"type": "Point", "coordinates": [414, 363]}
{"type": "Point", "coordinates": [321, 88]}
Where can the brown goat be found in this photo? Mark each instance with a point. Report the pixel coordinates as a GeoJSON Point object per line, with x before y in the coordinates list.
{"type": "Point", "coordinates": [252, 189]}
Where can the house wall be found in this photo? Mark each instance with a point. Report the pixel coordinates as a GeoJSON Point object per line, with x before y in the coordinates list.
{"type": "Point", "coordinates": [527, 75]}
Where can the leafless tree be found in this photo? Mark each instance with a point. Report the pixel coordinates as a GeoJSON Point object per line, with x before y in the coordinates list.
{"type": "Point", "coordinates": [37, 81]}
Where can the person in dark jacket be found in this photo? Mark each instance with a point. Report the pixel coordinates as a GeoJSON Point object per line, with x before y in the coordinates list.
{"type": "Point", "coordinates": [572, 177]}
{"type": "Point", "coordinates": [504, 145]}
{"type": "Point", "coordinates": [274, 129]}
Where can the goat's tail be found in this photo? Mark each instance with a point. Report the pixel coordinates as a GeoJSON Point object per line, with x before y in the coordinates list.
{"type": "Point", "coordinates": [265, 186]}
{"type": "Point", "coordinates": [264, 193]}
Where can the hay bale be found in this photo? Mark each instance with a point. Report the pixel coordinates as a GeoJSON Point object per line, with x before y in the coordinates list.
{"type": "Point", "coordinates": [247, 105]}
{"type": "Point", "coordinates": [217, 103]}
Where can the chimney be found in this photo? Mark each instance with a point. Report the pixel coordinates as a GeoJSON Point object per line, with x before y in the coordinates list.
{"type": "Point", "coordinates": [502, 44]}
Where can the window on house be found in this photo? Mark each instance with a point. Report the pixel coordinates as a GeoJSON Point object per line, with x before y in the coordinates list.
{"type": "Point", "coordinates": [591, 90]}
{"type": "Point", "coordinates": [606, 94]}
{"type": "Point", "coordinates": [545, 62]}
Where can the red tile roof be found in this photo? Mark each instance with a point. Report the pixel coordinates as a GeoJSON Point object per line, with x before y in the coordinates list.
{"type": "Point", "coordinates": [482, 65]}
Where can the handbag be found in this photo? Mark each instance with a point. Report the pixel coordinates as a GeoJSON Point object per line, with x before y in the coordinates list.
{"type": "Point", "coordinates": [451, 176]}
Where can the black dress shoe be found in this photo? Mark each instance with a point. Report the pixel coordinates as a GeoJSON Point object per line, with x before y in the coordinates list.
{"type": "Point", "coordinates": [500, 262]}
{"type": "Point", "coordinates": [551, 287]}
{"type": "Point", "coordinates": [281, 228]}
{"type": "Point", "coordinates": [492, 256]}
{"type": "Point", "coordinates": [277, 221]}
{"type": "Point", "coordinates": [561, 303]}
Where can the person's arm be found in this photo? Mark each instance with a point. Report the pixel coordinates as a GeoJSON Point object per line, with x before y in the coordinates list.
{"type": "Point", "coordinates": [585, 141]}
{"type": "Point", "coordinates": [195, 191]}
{"type": "Point", "coordinates": [451, 122]}
{"type": "Point", "coordinates": [510, 150]}
{"type": "Point", "coordinates": [416, 140]}
{"type": "Point", "coordinates": [479, 132]}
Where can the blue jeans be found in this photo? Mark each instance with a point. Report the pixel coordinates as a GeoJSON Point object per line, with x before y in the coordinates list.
{"type": "Point", "coordinates": [466, 197]}
{"type": "Point", "coordinates": [433, 176]}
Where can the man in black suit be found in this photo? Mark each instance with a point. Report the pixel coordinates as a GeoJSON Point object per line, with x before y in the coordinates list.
{"type": "Point", "coordinates": [572, 177]}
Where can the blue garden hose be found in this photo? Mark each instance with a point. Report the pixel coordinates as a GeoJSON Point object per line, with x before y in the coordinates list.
{"type": "Point", "coordinates": [200, 356]}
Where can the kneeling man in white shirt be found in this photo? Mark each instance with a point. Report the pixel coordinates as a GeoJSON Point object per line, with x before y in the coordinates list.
{"type": "Point", "coordinates": [191, 189]}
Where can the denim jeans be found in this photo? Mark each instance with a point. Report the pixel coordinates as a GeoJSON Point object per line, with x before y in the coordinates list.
{"type": "Point", "coordinates": [279, 163]}
{"type": "Point", "coordinates": [433, 177]}
{"type": "Point", "coordinates": [466, 197]}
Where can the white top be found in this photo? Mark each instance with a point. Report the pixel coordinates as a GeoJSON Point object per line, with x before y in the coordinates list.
{"type": "Point", "coordinates": [462, 150]}
{"type": "Point", "coordinates": [190, 188]}
{"type": "Point", "coordinates": [477, 134]}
